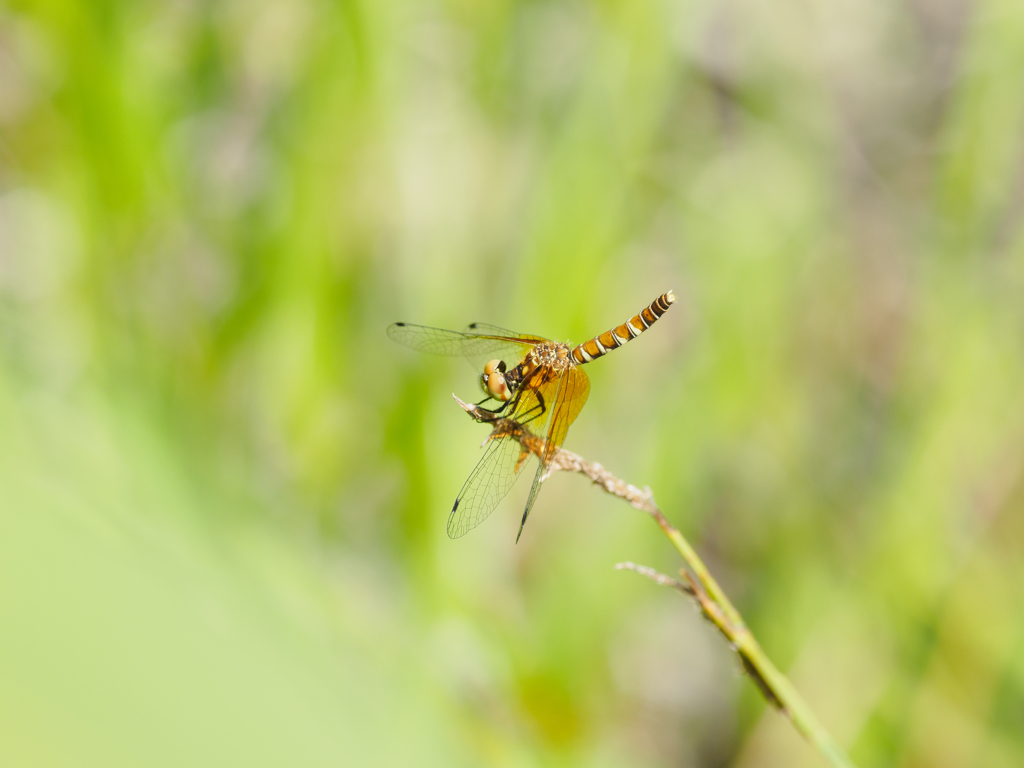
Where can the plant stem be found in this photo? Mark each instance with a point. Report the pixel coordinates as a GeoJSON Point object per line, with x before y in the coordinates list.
{"type": "Point", "coordinates": [699, 584]}
{"type": "Point", "coordinates": [773, 684]}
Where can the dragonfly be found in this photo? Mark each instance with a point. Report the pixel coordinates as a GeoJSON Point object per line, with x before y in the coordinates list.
{"type": "Point", "coordinates": [533, 381]}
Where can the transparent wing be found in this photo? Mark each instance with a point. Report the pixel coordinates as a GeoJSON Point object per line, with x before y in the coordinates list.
{"type": "Point", "coordinates": [494, 475]}
{"type": "Point", "coordinates": [502, 464]}
{"type": "Point", "coordinates": [565, 398]}
{"type": "Point", "coordinates": [477, 347]}
{"type": "Point", "coordinates": [486, 329]}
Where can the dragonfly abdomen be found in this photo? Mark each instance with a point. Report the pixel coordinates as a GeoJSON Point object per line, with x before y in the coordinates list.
{"type": "Point", "coordinates": [616, 337]}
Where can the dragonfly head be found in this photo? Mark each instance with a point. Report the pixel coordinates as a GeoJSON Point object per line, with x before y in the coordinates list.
{"type": "Point", "coordinates": [493, 383]}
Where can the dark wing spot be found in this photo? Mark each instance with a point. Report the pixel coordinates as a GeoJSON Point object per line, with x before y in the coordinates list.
{"type": "Point", "coordinates": [456, 505]}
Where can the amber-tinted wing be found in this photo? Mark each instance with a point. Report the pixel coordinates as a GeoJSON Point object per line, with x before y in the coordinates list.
{"type": "Point", "coordinates": [495, 473]}
{"type": "Point", "coordinates": [478, 346]}
{"type": "Point", "coordinates": [569, 394]}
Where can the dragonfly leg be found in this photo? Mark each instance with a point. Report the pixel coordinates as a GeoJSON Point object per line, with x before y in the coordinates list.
{"type": "Point", "coordinates": [504, 407]}
{"type": "Point", "coordinates": [488, 415]}
{"type": "Point", "coordinates": [509, 407]}
{"type": "Point", "coordinates": [497, 412]}
{"type": "Point", "coordinates": [541, 412]}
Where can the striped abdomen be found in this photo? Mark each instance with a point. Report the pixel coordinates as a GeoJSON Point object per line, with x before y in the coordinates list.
{"type": "Point", "coordinates": [616, 337]}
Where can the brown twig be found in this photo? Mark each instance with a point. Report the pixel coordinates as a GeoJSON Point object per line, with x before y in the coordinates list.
{"type": "Point", "coordinates": [698, 583]}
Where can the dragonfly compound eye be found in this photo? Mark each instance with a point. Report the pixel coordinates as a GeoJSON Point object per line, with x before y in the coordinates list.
{"type": "Point", "coordinates": [493, 380]}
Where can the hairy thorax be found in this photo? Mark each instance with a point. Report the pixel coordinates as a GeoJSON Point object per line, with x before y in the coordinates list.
{"type": "Point", "coordinates": [552, 358]}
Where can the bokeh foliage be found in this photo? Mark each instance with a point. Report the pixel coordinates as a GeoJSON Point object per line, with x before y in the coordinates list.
{"type": "Point", "coordinates": [223, 492]}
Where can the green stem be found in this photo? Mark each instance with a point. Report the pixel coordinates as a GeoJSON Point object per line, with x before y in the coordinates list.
{"type": "Point", "coordinates": [776, 687]}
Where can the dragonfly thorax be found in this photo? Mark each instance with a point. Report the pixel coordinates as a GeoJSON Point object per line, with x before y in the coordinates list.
{"type": "Point", "coordinates": [493, 381]}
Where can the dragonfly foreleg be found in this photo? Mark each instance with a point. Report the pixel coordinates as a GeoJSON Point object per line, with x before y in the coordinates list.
{"type": "Point", "coordinates": [488, 415]}
{"type": "Point", "coordinates": [509, 407]}
{"type": "Point", "coordinates": [496, 412]}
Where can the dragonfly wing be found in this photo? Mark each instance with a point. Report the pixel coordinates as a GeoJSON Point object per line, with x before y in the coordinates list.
{"type": "Point", "coordinates": [495, 474]}
{"type": "Point", "coordinates": [565, 399]}
{"type": "Point", "coordinates": [486, 329]}
{"type": "Point", "coordinates": [572, 396]}
{"type": "Point", "coordinates": [510, 346]}
{"type": "Point", "coordinates": [477, 347]}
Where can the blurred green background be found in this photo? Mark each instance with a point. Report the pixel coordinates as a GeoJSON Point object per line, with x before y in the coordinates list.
{"type": "Point", "coordinates": [223, 490]}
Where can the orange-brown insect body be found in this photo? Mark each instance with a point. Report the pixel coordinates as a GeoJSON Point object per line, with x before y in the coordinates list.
{"type": "Point", "coordinates": [541, 395]}
{"type": "Point", "coordinates": [616, 337]}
